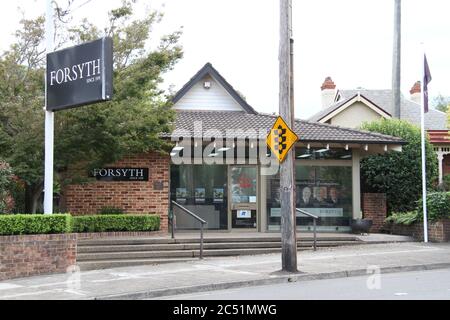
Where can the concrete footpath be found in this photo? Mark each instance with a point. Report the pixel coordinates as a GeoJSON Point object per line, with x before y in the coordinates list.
{"type": "Point", "coordinates": [225, 273]}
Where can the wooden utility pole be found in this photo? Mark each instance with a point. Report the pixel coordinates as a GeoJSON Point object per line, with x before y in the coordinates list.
{"type": "Point", "coordinates": [287, 179]}
{"type": "Point", "coordinates": [396, 65]}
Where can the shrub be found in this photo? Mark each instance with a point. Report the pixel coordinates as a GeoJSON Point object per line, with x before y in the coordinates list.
{"type": "Point", "coordinates": [398, 173]}
{"type": "Point", "coordinates": [34, 224]}
{"type": "Point", "coordinates": [445, 185]}
{"type": "Point", "coordinates": [438, 205]}
{"type": "Point", "coordinates": [406, 218]}
{"type": "Point", "coordinates": [115, 223]}
{"type": "Point", "coordinates": [111, 211]}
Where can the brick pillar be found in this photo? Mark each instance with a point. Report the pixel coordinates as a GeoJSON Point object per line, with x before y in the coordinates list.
{"type": "Point", "coordinates": [374, 208]}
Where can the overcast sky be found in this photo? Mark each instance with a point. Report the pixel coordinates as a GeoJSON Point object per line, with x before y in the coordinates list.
{"type": "Point", "coordinates": [349, 40]}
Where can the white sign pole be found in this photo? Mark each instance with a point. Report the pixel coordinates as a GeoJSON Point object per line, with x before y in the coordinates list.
{"type": "Point", "coordinates": [424, 166]}
{"type": "Point", "coordinates": [49, 120]}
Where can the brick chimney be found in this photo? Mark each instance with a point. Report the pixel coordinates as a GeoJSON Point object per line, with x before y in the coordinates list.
{"type": "Point", "coordinates": [328, 92]}
{"type": "Point", "coordinates": [416, 92]}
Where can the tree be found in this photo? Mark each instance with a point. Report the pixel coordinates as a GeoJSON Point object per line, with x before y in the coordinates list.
{"type": "Point", "coordinates": [6, 176]}
{"type": "Point", "coordinates": [94, 135]}
{"type": "Point", "coordinates": [448, 117]}
{"type": "Point", "coordinates": [441, 103]}
{"type": "Point", "coordinates": [398, 174]}
{"type": "Point", "coordinates": [21, 116]}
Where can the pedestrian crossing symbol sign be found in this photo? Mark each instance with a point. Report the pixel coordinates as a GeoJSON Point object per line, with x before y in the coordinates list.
{"type": "Point", "coordinates": [281, 139]}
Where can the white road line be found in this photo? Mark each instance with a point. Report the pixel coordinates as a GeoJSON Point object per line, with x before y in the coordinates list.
{"type": "Point", "coordinates": [48, 285]}
{"type": "Point", "coordinates": [130, 276]}
{"type": "Point", "coordinates": [77, 293]}
{"type": "Point", "coordinates": [9, 286]}
{"type": "Point", "coordinates": [243, 264]}
{"type": "Point", "coordinates": [26, 294]}
{"type": "Point", "coordinates": [370, 254]}
{"type": "Point", "coordinates": [38, 293]}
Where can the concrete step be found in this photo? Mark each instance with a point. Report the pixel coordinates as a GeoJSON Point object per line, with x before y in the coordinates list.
{"type": "Point", "coordinates": [153, 241]}
{"type": "Point", "coordinates": [192, 253]}
{"type": "Point", "coordinates": [196, 246]}
{"type": "Point", "coordinates": [105, 264]}
{"type": "Point", "coordinates": [176, 247]}
{"type": "Point", "coordinates": [119, 260]}
{"type": "Point", "coordinates": [171, 254]}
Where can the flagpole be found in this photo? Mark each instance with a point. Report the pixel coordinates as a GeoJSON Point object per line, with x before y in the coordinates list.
{"type": "Point", "coordinates": [424, 172]}
{"type": "Point", "coordinates": [49, 119]}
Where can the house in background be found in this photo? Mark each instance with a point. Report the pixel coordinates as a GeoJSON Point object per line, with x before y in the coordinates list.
{"type": "Point", "coordinates": [351, 108]}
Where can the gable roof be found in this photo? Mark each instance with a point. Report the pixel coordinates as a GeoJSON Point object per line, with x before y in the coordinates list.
{"type": "Point", "coordinates": [410, 111]}
{"type": "Point", "coordinates": [337, 108]}
{"type": "Point", "coordinates": [306, 131]}
{"type": "Point", "coordinates": [208, 69]}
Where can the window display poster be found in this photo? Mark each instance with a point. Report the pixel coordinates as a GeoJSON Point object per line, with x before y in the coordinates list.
{"type": "Point", "coordinates": [181, 195]}
{"type": "Point", "coordinates": [218, 195]}
{"type": "Point", "coordinates": [200, 195]}
{"type": "Point", "coordinates": [244, 214]}
{"type": "Point", "coordinates": [323, 196]}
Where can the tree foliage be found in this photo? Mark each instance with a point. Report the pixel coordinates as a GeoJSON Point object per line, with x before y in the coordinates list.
{"type": "Point", "coordinates": [441, 103]}
{"type": "Point", "coordinates": [448, 117]}
{"type": "Point", "coordinates": [94, 135]}
{"type": "Point", "coordinates": [6, 176]}
{"type": "Point", "coordinates": [399, 174]}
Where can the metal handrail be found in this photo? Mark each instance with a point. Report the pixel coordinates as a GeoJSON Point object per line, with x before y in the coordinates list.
{"type": "Point", "coordinates": [315, 218]}
{"type": "Point", "coordinates": [196, 217]}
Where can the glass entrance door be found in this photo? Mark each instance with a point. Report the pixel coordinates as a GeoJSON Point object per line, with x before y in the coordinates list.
{"type": "Point", "coordinates": [244, 197]}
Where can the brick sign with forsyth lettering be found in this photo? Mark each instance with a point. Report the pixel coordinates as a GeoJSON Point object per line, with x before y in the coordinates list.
{"type": "Point", "coordinates": [121, 174]}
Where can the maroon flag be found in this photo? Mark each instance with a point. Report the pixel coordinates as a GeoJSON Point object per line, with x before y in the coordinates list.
{"type": "Point", "coordinates": [426, 80]}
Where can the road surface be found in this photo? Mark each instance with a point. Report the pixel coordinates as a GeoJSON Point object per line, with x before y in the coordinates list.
{"type": "Point", "coordinates": [422, 285]}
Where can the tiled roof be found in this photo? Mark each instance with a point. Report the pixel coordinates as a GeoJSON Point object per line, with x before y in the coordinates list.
{"type": "Point", "coordinates": [262, 123]}
{"type": "Point", "coordinates": [410, 111]}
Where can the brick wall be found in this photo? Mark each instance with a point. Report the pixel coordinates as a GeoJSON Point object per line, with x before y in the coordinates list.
{"type": "Point", "coordinates": [374, 208]}
{"type": "Point", "coordinates": [24, 256]}
{"type": "Point", "coordinates": [438, 231]}
{"type": "Point", "coordinates": [132, 197]}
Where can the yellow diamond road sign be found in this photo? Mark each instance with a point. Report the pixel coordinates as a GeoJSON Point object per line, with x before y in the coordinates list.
{"type": "Point", "coordinates": [281, 139]}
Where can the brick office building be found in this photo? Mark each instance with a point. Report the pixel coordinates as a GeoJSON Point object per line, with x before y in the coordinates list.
{"type": "Point", "coordinates": [219, 168]}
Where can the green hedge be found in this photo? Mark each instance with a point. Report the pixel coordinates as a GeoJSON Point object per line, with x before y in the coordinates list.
{"type": "Point", "coordinates": [115, 223]}
{"type": "Point", "coordinates": [34, 224]}
{"type": "Point", "coordinates": [438, 207]}
{"type": "Point", "coordinates": [64, 223]}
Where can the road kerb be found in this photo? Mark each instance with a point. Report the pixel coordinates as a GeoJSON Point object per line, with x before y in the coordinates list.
{"type": "Point", "coordinates": [150, 294]}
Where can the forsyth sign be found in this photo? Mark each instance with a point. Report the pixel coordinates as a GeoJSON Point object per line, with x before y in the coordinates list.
{"type": "Point", "coordinates": [121, 174]}
{"type": "Point", "coordinates": [80, 75]}
{"type": "Point", "coordinates": [80, 71]}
